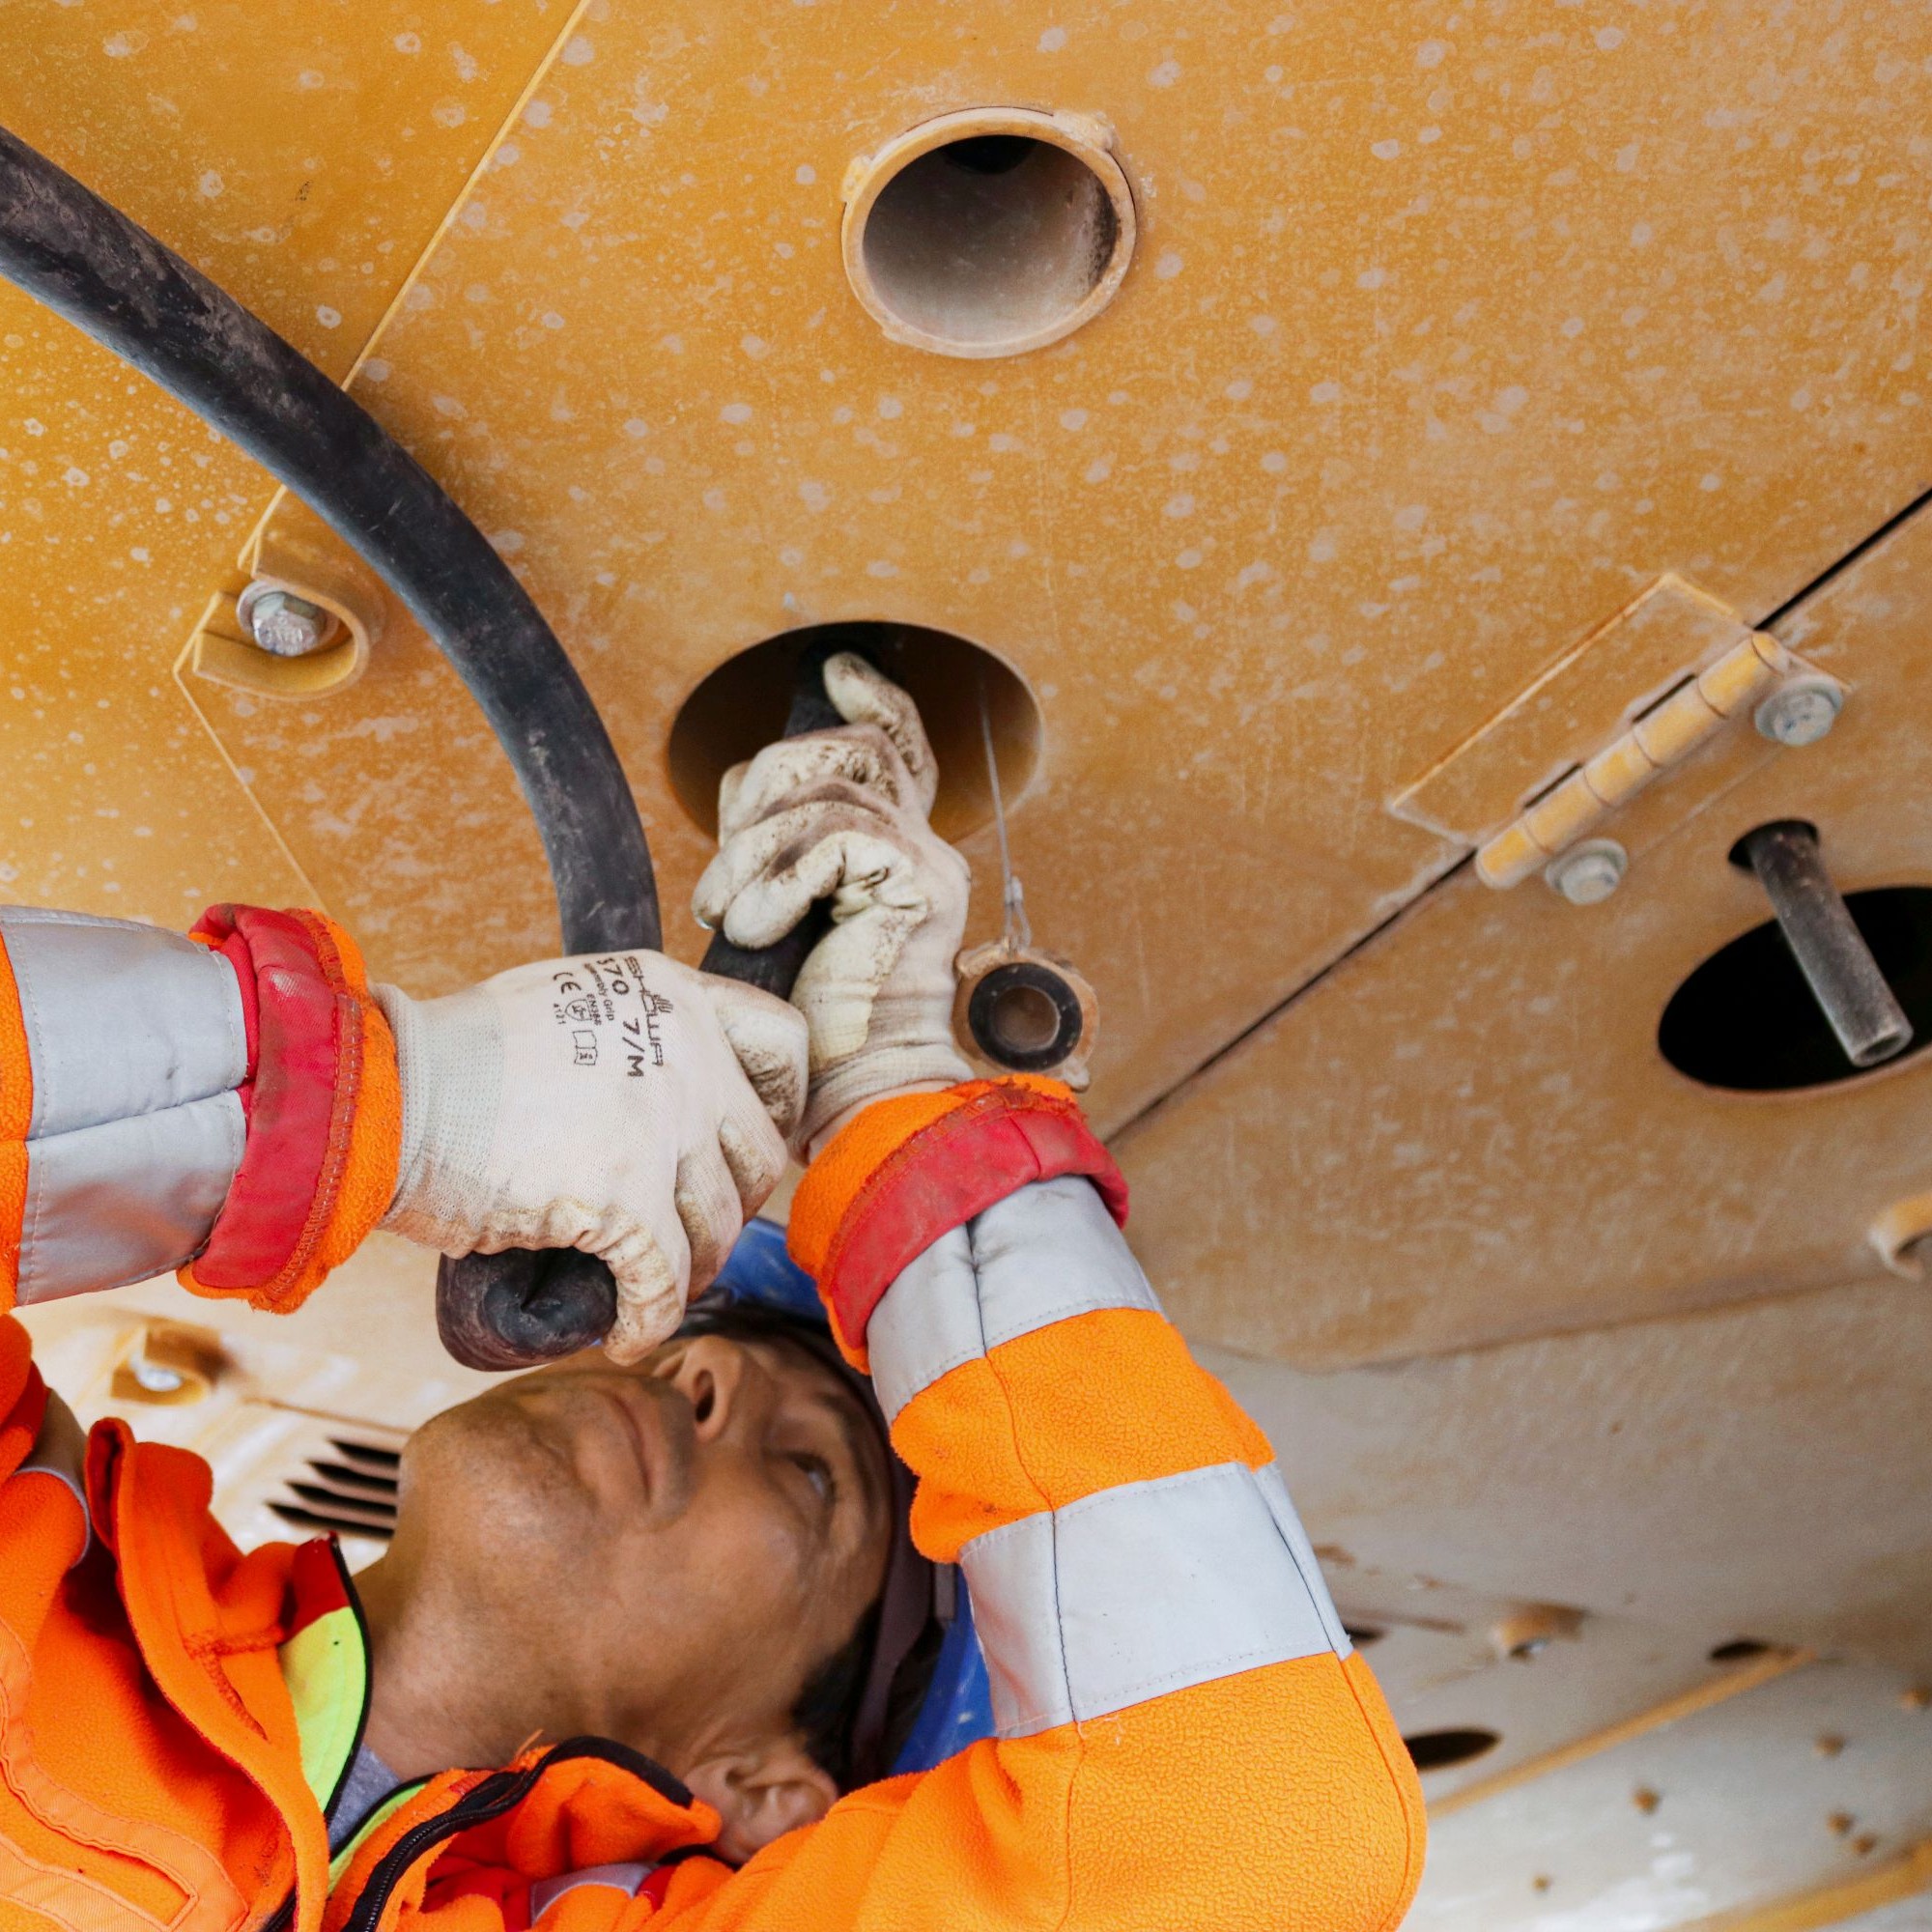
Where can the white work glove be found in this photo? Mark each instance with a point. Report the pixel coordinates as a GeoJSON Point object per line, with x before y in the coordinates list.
{"type": "Point", "coordinates": [619, 1103]}
{"type": "Point", "coordinates": [843, 813]}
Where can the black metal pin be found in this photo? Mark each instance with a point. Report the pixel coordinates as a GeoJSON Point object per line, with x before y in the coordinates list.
{"type": "Point", "coordinates": [1845, 980]}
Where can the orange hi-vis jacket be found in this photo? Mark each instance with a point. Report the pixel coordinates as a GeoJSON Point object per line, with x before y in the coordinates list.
{"type": "Point", "coordinates": [1185, 1737]}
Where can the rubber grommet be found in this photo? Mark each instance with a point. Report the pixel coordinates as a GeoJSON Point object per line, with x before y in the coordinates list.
{"type": "Point", "coordinates": [1025, 976]}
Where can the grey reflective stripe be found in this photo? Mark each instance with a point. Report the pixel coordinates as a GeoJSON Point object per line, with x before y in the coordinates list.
{"type": "Point", "coordinates": [121, 1019]}
{"type": "Point", "coordinates": [546, 1891]}
{"type": "Point", "coordinates": [125, 1200]}
{"type": "Point", "coordinates": [1139, 1591]}
{"type": "Point", "coordinates": [60, 1451]}
{"type": "Point", "coordinates": [1274, 1492]}
{"type": "Point", "coordinates": [1047, 1252]}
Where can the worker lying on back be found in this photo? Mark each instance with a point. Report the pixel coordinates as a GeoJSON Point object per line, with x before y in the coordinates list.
{"type": "Point", "coordinates": [651, 1627]}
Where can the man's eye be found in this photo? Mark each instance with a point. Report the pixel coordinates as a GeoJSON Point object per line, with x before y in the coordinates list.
{"type": "Point", "coordinates": [819, 1470]}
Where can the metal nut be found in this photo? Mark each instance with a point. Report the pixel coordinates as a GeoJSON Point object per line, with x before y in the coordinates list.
{"type": "Point", "coordinates": [285, 625]}
{"type": "Point", "coordinates": [1589, 872]}
{"type": "Point", "coordinates": [1801, 710]}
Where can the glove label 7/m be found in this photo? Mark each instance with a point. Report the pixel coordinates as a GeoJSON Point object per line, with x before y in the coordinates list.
{"type": "Point", "coordinates": [583, 1010]}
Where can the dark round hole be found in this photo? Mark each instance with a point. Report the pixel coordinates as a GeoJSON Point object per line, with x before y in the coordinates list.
{"type": "Point", "coordinates": [1745, 1020]}
{"type": "Point", "coordinates": [1024, 1021]}
{"type": "Point", "coordinates": [1441, 1750]}
{"type": "Point", "coordinates": [1740, 1650]}
{"type": "Point", "coordinates": [989, 153]}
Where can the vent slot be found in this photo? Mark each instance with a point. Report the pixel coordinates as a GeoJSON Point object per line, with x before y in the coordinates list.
{"type": "Point", "coordinates": [347, 1487]}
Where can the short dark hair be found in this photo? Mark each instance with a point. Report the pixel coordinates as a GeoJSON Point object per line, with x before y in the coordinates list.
{"type": "Point", "coordinates": [826, 1711]}
{"type": "Point", "coordinates": [827, 1707]}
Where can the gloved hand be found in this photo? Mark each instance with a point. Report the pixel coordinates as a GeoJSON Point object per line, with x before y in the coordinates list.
{"type": "Point", "coordinates": [622, 1103]}
{"type": "Point", "coordinates": [844, 813]}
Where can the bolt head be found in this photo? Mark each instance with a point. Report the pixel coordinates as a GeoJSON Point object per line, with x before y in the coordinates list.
{"type": "Point", "coordinates": [1801, 710]}
{"type": "Point", "coordinates": [287, 626]}
{"type": "Point", "coordinates": [1590, 873]}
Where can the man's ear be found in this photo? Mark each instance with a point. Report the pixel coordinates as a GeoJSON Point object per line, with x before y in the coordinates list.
{"type": "Point", "coordinates": [762, 1794]}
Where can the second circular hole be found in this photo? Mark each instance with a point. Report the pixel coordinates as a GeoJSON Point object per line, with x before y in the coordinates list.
{"type": "Point", "coordinates": [992, 242]}
{"type": "Point", "coordinates": [1746, 1021]}
{"type": "Point", "coordinates": [741, 707]}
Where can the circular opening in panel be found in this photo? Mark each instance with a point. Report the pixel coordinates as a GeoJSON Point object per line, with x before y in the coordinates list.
{"type": "Point", "coordinates": [1746, 1022]}
{"type": "Point", "coordinates": [741, 707]}
{"type": "Point", "coordinates": [1443, 1751]}
{"type": "Point", "coordinates": [1025, 1020]}
{"type": "Point", "coordinates": [989, 232]}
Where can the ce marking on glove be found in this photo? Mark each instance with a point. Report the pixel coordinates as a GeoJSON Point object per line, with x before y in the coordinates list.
{"type": "Point", "coordinates": [589, 995]}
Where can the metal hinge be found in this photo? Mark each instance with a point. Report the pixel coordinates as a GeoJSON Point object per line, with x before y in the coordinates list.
{"type": "Point", "coordinates": [1635, 699]}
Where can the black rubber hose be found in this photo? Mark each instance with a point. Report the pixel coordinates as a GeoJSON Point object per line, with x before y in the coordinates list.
{"type": "Point", "coordinates": [508, 1310]}
{"type": "Point", "coordinates": [112, 280]}
{"type": "Point", "coordinates": [115, 281]}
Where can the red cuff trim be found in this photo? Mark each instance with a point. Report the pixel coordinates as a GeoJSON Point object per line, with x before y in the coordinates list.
{"type": "Point", "coordinates": [305, 1056]}
{"type": "Point", "coordinates": [965, 1162]}
{"type": "Point", "coordinates": [234, 949]}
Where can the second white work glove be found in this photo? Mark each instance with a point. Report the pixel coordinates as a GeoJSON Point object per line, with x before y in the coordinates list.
{"type": "Point", "coordinates": [843, 813]}
{"type": "Point", "coordinates": [619, 1103]}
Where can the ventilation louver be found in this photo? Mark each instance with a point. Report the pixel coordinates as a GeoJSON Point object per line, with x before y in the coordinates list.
{"type": "Point", "coordinates": [348, 1487]}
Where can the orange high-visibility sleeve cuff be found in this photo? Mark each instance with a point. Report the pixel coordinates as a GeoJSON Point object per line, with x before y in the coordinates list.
{"type": "Point", "coordinates": [23, 1396]}
{"type": "Point", "coordinates": [909, 1169]}
{"type": "Point", "coordinates": [323, 1101]}
{"type": "Point", "coordinates": [1039, 1423]}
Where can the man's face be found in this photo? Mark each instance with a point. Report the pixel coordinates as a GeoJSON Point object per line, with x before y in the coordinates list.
{"type": "Point", "coordinates": [661, 1554]}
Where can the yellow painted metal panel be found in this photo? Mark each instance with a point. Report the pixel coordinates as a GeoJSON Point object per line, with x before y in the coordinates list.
{"type": "Point", "coordinates": [1467, 1132]}
{"type": "Point", "coordinates": [1445, 334]}
{"type": "Point", "coordinates": [304, 157]}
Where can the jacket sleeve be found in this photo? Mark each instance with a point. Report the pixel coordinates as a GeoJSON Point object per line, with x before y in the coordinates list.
{"type": "Point", "coordinates": [223, 1104]}
{"type": "Point", "coordinates": [1185, 1738]}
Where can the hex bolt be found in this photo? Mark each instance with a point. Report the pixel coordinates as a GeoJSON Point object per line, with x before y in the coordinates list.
{"type": "Point", "coordinates": [1588, 873]}
{"type": "Point", "coordinates": [1801, 710]}
{"type": "Point", "coordinates": [285, 625]}
{"type": "Point", "coordinates": [1830, 952]}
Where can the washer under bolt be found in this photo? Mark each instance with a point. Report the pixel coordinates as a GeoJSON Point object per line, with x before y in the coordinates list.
{"type": "Point", "coordinates": [1801, 710]}
{"type": "Point", "coordinates": [287, 626]}
{"type": "Point", "coordinates": [1589, 872]}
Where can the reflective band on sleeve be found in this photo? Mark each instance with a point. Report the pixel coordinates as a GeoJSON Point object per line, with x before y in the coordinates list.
{"type": "Point", "coordinates": [1138, 1591]}
{"type": "Point", "coordinates": [121, 1019]}
{"type": "Point", "coordinates": [1045, 1253]}
{"type": "Point", "coordinates": [125, 1200]}
{"type": "Point", "coordinates": [1274, 1492]}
